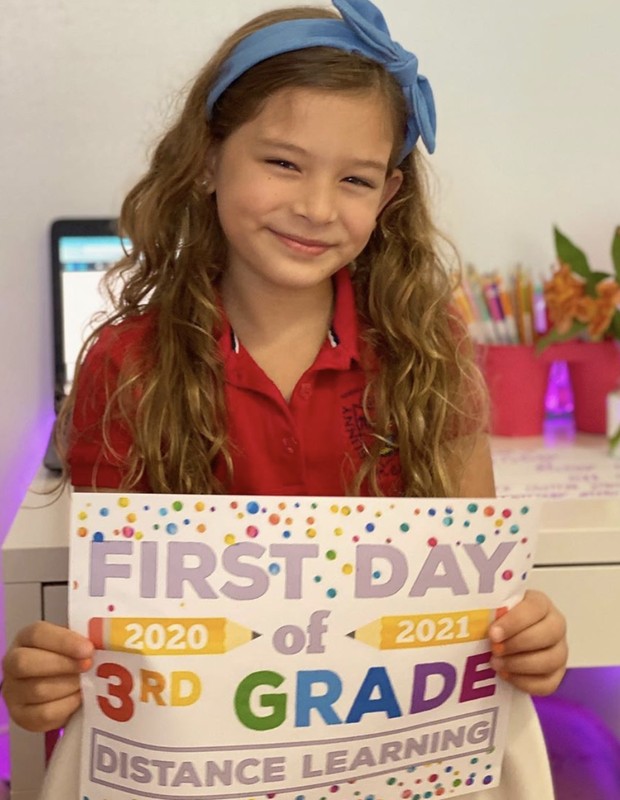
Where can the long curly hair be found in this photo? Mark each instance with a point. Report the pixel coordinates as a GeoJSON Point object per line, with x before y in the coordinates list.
{"type": "Point", "coordinates": [424, 391]}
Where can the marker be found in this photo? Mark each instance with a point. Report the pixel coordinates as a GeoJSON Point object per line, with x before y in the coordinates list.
{"type": "Point", "coordinates": [507, 309]}
{"type": "Point", "coordinates": [427, 630]}
{"type": "Point", "coordinates": [473, 288]}
{"type": "Point", "coordinates": [491, 295]}
{"type": "Point", "coordinates": [167, 636]}
{"type": "Point", "coordinates": [468, 313]}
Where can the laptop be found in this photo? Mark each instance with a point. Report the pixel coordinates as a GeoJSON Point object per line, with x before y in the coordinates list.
{"type": "Point", "coordinates": [82, 250]}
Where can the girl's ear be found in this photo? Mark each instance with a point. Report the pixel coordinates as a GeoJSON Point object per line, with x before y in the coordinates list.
{"type": "Point", "coordinates": [392, 185]}
{"type": "Point", "coordinates": [209, 184]}
{"type": "Point", "coordinates": [211, 168]}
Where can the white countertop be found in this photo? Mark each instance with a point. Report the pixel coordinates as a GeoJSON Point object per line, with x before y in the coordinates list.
{"type": "Point", "coordinates": [579, 480]}
{"type": "Point", "coordinates": [574, 473]}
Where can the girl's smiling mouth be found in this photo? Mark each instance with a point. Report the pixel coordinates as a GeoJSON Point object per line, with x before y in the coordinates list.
{"type": "Point", "coordinates": [313, 247]}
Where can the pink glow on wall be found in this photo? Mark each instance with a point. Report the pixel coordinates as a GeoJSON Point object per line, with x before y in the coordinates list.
{"type": "Point", "coordinates": [17, 476]}
{"type": "Point", "coordinates": [14, 482]}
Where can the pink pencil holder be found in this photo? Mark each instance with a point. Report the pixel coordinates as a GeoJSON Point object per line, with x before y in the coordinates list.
{"type": "Point", "coordinates": [517, 380]}
{"type": "Point", "coordinates": [594, 369]}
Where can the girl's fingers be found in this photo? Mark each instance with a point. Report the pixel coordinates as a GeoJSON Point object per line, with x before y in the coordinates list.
{"type": "Point", "coordinates": [47, 716]}
{"type": "Point", "coordinates": [41, 675]}
{"type": "Point", "coordinates": [543, 634]}
{"type": "Point", "coordinates": [539, 662]}
{"type": "Point", "coordinates": [56, 639]}
{"type": "Point", "coordinates": [536, 684]}
{"type": "Point", "coordinates": [44, 649]}
{"type": "Point", "coordinates": [21, 663]}
{"type": "Point", "coordinates": [534, 607]}
{"type": "Point", "coordinates": [34, 691]}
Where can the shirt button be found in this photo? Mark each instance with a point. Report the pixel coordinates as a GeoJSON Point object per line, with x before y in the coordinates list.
{"type": "Point", "coordinates": [305, 390]}
{"type": "Point", "coordinates": [289, 443]}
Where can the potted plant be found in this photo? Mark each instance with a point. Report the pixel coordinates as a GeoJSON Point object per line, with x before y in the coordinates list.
{"type": "Point", "coordinates": [581, 302]}
{"type": "Point", "coordinates": [583, 308]}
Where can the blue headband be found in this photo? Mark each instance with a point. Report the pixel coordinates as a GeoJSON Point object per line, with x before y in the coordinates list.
{"type": "Point", "coordinates": [361, 30]}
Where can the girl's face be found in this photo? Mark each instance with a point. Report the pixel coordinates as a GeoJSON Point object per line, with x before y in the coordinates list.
{"type": "Point", "coordinates": [300, 186]}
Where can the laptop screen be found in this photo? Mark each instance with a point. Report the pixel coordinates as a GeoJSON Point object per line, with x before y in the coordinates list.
{"type": "Point", "coordinates": [82, 251]}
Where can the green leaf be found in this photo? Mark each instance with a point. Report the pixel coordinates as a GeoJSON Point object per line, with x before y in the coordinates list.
{"type": "Point", "coordinates": [614, 325]}
{"type": "Point", "coordinates": [614, 441]}
{"type": "Point", "coordinates": [569, 254]}
{"type": "Point", "coordinates": [553, 337]}
{"type": "Point", "coordinates": [593, 279]}
{"type": "Point", "coordinates": [615, 253]}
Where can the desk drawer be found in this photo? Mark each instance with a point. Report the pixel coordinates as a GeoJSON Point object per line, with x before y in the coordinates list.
{"type": "Point", "coordinates": [55, 603]}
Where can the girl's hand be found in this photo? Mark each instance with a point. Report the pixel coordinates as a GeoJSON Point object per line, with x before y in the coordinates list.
{"type": "Point", "coordinates": [41, 675]}
{"type": "Point", "coordinates": [529, 645]}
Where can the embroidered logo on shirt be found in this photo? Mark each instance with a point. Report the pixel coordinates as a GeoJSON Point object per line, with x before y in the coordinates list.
{"type": "Point", "coordinates": [360, 433]}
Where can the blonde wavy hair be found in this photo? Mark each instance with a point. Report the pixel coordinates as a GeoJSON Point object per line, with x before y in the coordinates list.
{"type": "Point", "coordinates": [424, 391]}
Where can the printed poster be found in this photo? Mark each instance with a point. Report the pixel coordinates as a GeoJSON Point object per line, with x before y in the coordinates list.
{"type": "Point", "coordinates": [295, 648]}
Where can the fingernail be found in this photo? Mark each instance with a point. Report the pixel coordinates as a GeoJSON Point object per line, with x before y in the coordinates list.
{"type": "Point", "coordinates": [497, 664]}
{"type": "Point", "coordinates": [83, 652]}
{"type": "Point", "coordinates": [496, 633]}
{"type": "Point", "coordinates": [498, 649]}
{"type": "Point", "coordinates": [86, 664]}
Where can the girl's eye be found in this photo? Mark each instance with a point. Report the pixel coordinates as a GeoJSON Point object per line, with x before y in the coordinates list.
{"type": "Point", "coordinates": [359, 182]}
{"type": "Point", "coordinates": [280, 162]}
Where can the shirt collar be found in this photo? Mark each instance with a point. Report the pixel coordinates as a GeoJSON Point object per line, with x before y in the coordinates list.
{"type": "Point", "coordinates": [341, 346]}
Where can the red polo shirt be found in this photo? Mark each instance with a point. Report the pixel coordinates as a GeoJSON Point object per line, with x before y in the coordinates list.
{"type": "Point", "coordinates": [307, 446]}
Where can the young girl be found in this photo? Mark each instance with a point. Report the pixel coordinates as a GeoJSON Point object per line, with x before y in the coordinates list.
{"type": "Point", "coordinates": [285, 327]}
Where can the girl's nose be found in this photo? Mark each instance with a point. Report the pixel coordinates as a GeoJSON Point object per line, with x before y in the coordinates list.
{"type": "Point", "coordinates": [316, 201]}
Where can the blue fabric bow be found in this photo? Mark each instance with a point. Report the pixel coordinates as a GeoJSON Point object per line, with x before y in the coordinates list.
{"type": "Point", "coordinates": [361, 30]}
{"type": "Point", "coordinates": [370, 26]}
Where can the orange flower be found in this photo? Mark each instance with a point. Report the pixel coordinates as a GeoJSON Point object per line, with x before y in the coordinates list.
{"type": "Point", "coordinates": [580, 301]}
{"type": "Point", "coordinates": [596, 312]}
{"type": "Point", "coordinates": [563, 293]}
{"type": "Point", "coordinates": [609, 291]}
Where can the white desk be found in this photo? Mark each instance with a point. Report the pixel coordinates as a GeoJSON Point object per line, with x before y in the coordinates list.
{"type": "Point", "coordinates": [577, 562]}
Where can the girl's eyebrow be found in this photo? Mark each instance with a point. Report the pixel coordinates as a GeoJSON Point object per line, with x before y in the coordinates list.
{"type": "Point", "coordinates": [294, 148]}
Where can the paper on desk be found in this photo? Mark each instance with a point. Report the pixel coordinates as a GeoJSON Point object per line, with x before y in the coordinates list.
{"type": "Point", "coordinates": [293, 647]}
{"type": "Point", "coordinates": [556, 472]}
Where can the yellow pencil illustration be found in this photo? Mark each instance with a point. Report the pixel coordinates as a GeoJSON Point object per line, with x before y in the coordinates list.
{"type": "Point", "coordinates": [165, 636]}
{"type": "Point", "coordinates": [427, 630]}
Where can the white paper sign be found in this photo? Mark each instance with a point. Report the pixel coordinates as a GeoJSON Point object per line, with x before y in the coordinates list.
{"type": "Point", "coordinates": [293, 647]}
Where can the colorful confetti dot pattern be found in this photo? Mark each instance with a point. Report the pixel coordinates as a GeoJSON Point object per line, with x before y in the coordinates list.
{"type": "Point", "coordinates": [399, 539]}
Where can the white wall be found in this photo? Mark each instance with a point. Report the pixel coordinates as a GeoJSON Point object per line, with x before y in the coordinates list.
{"type": "Point", "coordinates": [529, 124]}
{"type": "Point", "coordinates": [529, 131]}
